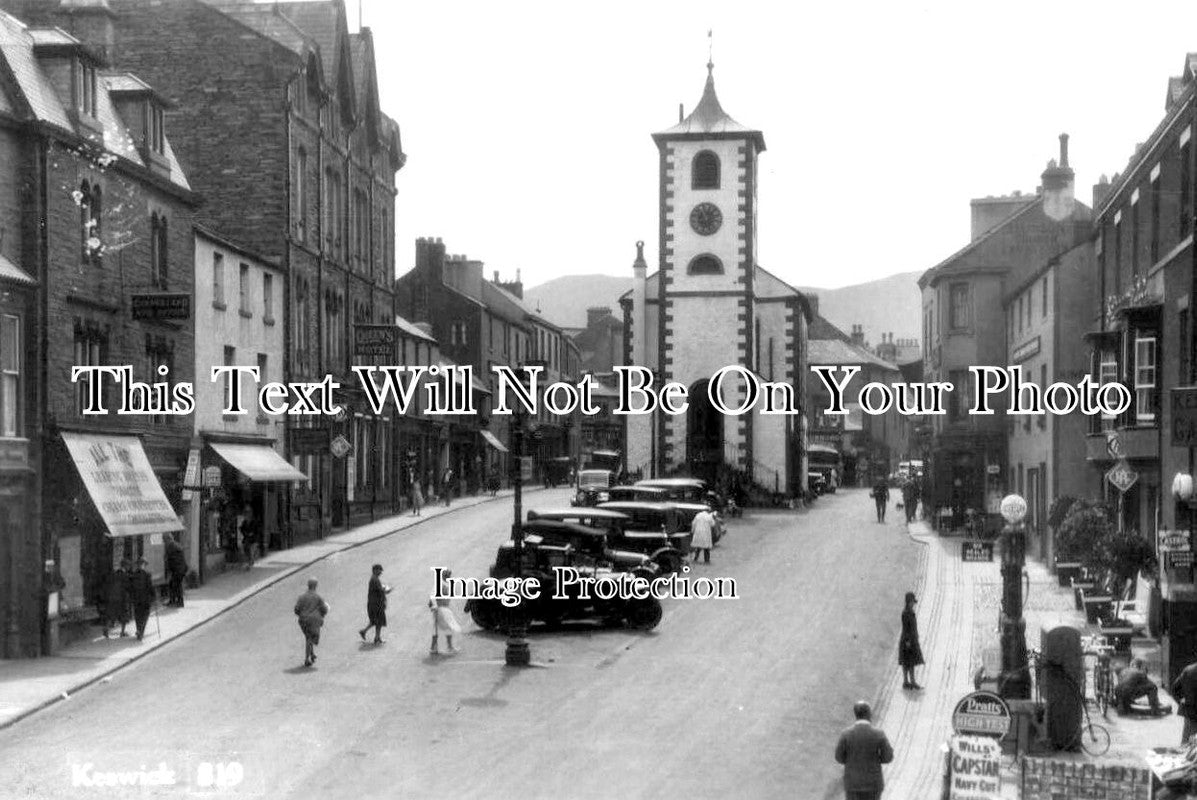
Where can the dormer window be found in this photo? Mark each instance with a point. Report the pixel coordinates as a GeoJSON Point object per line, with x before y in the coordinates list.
{"type": "Point", "coordinates": [155, 129]}
{"type": "Point", "coordinates": [86, 89]}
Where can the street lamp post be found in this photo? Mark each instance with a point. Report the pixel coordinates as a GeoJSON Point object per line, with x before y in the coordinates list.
{"type": "Point", "coordinates": [1015, 681]}
{"type": "Point", "coordinates": [518, 654]}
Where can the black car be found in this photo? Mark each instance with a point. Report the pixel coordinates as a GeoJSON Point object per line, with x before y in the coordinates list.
{"type": "Point", "coordinates": [541, 560]}
{"type": "Point", "coordinates": [652, 525]}
{"type": "Point", "coordinates": [613, 526]}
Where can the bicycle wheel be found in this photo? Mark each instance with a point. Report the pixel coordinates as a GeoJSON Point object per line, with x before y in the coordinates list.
{"type": "Point", "coordinates": [1095, 739]}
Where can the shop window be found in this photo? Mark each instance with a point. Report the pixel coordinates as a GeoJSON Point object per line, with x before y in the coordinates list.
{"type": "Point", "coordinates": [10, 375]}
{"type": "Point", "coordinates": [704, 171]}
{"type": "Point", "coordinates": [1145, 378]}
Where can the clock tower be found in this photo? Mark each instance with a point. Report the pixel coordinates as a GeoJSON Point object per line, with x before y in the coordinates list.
{"type": "Point", "coordinates": [705, 284]}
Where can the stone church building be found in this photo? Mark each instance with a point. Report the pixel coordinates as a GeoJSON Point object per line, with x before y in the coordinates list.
{"type": "Point", "coordinates": [710, 305]}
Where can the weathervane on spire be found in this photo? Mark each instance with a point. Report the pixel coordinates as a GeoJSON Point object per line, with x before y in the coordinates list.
{"type": "Point", "coordinates": [710, 50]}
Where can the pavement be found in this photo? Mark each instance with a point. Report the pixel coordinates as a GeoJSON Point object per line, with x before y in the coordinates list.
{"type": "Point", "coordinates": [29, 685]}
{"type": "Point", "coordinates": [958, 617]}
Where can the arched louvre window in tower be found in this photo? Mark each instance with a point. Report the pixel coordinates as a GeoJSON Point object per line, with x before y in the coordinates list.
{"type": "Point", "coordinates": [704, 172]}
{"type": "Point", "coordinates": [705, 264]}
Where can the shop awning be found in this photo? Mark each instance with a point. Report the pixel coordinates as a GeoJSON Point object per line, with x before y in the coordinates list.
{"type": "Point", "coordinates": [257, 462]}
{"type": "Point", "coordinates": [493, 441]}
{"type": "Point", "coordinates": [122, 484]}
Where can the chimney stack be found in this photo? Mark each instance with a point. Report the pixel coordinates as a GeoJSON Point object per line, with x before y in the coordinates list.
{"type": "Point", "coordinates": [1101, 190]}
{"type": "Point", "coordinates": [1059, 185]}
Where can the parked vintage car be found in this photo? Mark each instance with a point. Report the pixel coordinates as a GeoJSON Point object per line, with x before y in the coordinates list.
{"type": "Point", "coordinates": [651, 525]}
{"type": "Point", "coordinates": [538, 560]}
{"type": "Point", "coordinates": [575, 527]}
{"type": "Point", "coordinates": [593, 485]}
{"type": "Point", "coordinates": [686, 490]}
{"type": "Point", "coordinates": [613, 525]}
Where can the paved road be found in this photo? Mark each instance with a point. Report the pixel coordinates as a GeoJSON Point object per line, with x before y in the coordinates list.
{"type": "Point", "coordinates": [731, 698]}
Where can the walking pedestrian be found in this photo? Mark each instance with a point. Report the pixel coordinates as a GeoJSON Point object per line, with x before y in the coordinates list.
{"type": "Point", "coordinates": [141, 596]}
{"type": "Point", "coordinates": [862, 749]}
{"type": "Point", "coordinates": [447, 485]}
{"type": "Point", "coordinates": [444, 622]}
{"type": "Point", "coordinates": [248, 528]}
{"type": "Point", "coordinates": [910, 653]}
{"type": "Point", "coordinates": [880, 496]}
{"type": "Point", "coordinates": [417, 498]}
{"type": "Point", "coordinates": [116, 598]}
{"type": "Point", "coordinates": [311, 610]}
{"type": "Point", "coordinates": [702, 532]}
{"type": "Point", "coordinates": [376, 605]}
{"type": "Point", "coordinates": [1184, 689]}
{"type": "Point", "coordinates": [176, 570]}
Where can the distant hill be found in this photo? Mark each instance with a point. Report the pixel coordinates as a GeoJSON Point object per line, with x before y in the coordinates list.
{"type": "Point", "coordinates": [564, 300]}
{"type": "Point", "coordinates": [886, 305]}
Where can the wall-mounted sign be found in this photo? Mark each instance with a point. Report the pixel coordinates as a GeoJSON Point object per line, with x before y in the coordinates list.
{"type": "Point", "coordinates": [971, 552]}
{"type": "Point", "coordinates": [1025, 350]}
{"type": "Point", "coordinates": [1184, 417]}
{"type": "Point", "coordinates": [211, 477]}
{"type": "Point", "coordinates": [308, 440]}
{"type": "Point", "coordinates": [375, 340]}
{"type": "Point", "coordinates": [161, 306]}
{"type": "Point", "coordinates": [1174, 541]}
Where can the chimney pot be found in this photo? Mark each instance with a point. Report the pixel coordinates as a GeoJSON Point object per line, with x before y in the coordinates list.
{"type": "Point", "coordinates": [1063, 150]}
{"type": "Point", "coordinates": [681, 114]}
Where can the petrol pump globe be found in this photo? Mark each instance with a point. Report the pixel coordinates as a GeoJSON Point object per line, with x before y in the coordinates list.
{"type": "Point", "coordinates": [1013, 509]}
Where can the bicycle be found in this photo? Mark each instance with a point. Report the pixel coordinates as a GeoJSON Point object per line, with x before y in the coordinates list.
{"type": "Point", "coordinates": [1092, 737]}
{"type": "Point", "coordinates": [1103, 683]}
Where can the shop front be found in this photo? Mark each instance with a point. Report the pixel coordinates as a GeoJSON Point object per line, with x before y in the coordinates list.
{"type": "Point", "coordinates": [110, 506]}
{"type": "Point", "coordinates": [246, 490]}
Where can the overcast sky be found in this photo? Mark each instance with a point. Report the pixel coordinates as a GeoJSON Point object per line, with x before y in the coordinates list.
{"type": "Point", "coordinates": [527, 125]}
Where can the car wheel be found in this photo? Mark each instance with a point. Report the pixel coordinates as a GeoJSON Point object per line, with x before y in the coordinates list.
{"type": "Point", "coordinates": [643, 615]}
{"type": "Point", "coordinates": [485, 614]}
{"type": "Point", "coordinates": [669, 561]}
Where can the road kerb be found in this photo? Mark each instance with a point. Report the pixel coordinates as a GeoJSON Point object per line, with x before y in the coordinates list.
{"type": "Point", "coordinates": [252, 591]}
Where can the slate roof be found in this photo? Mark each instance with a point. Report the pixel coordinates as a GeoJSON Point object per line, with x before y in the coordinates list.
{"type": "Point", "coordinates": [262, 19]}
{"type": "Point", "coordinates": [11, 272]}
{"type": "Point", "coordinates": [319, 21]}
{"type": "Point", "coordinates": [41, 100]}
{"type": "Point", "coordinates": [835, 351]}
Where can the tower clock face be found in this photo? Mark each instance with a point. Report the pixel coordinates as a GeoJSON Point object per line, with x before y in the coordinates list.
{"type": "Point", "coordinates": [706, 218]}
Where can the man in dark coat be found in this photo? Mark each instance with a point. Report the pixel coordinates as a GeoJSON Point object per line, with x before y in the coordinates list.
{"type": "Point", "coordinates": [116, 598]}
{"type": "Point", "coordinates": [376, 605]}
{"type": "Point", "coordinates": [447, 485]}
{"type": "Point", "coordinates": [1184, 689]}
{"type": "Point", "coordinates": [881, 498]}
{"type": "Point", "coordinates": [176, 570]}
{"type": "Point", "coordinates": [311, 610]}
{"type": "Point", "coordinates": [862, 749]}
{"type": "Point", "coordinates": [141, 595]}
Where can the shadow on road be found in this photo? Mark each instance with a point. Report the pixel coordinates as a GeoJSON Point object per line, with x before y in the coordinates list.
{"type": "Point", "coordinates": [489, 700]}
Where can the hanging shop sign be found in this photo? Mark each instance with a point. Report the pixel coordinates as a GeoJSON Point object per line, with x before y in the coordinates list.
{"type": "Point", "coordinates": [340, 447]}
{"type": "Point", "coordinates": [1122, 476]}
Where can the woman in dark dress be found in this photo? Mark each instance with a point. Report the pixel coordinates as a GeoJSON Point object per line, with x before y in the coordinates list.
{"type": "Point", "coordinates": [910, 654]}
{"type": "Point", "coordinates": [376, 605]}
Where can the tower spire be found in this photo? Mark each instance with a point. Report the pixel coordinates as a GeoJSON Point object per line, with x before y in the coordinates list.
{"type": "Point", "coordinates": [710, 51]}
